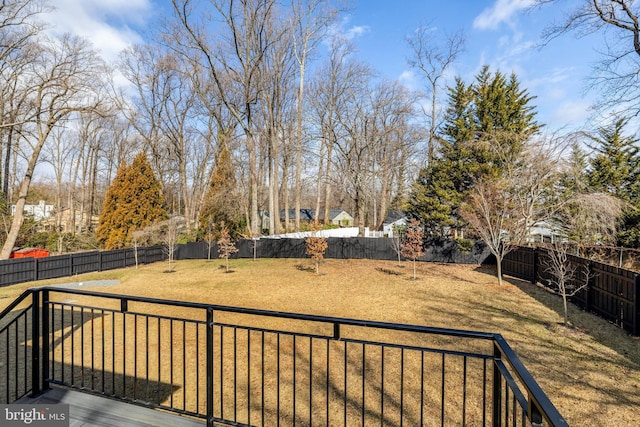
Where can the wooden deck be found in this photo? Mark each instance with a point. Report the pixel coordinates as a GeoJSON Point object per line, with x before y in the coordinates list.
{"type": "Point", "coordinates": [86, 410]}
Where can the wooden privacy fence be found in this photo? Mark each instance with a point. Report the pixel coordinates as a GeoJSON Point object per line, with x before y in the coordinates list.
{"type": "Point", "coordinates": [612, 293]}
{"type": "Point", "coordinates": [437, 250]}
{"type": "Point", "coordinates": [22, 270]}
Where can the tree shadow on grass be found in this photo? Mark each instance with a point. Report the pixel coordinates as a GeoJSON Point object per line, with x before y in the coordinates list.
{"type": "Point", "coordinates": [389, 271]}
{"type": "Point", "coordinates": [307, 268]}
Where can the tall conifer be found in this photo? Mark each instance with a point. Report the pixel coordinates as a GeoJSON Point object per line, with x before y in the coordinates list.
{"type": "Point", "coordinates": [487, 124]}
{"type": "Point", "coordinates": [221, 203]}
{"type": "Point", "coordinates": [134, 201]}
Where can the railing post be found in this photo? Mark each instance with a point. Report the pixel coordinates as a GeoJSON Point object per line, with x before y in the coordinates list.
{"type": "Point", "coordinates": [497, 388]}
{"type": "Point", "coordinates": [35, 343]}
{"type": "Point", "coordinates": [209, 368]}
{"type": "Point", "coordinates": [45, 340]}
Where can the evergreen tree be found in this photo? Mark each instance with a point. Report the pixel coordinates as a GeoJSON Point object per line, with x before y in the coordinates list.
{"type": "Point", "coordinates": [486, 127]}
{"type": "Point", "coordinates": [615, 169]}
{"type": "Point", "coordinates": [221, 203]}
{"type": "Point", "coordinates": [133, 201]}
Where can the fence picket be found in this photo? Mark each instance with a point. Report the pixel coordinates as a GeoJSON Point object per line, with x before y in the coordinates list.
{"type": "Point", "coordinates": [612, 293]}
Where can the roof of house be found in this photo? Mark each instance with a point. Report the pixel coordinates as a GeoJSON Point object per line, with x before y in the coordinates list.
{"type": "Point", "coordinates": [394, 216]}
{"type": "Point", "coordinates": [309, 214]}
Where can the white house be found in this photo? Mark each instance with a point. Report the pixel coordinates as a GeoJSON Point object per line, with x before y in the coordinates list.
{"type": "Point", "coordinates": [394, 219]}
{"type": "Point", "coordinates": [38, 212]}
{"type": "Point", "coordinates": [337, 217]}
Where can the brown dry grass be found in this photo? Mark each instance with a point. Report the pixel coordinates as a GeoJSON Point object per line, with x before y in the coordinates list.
{"type": "Point", "coordinates": [591, 371]}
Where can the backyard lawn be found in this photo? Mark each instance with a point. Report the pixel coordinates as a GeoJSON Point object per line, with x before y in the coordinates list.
{"type": "Point", "coordinates": [591, 371]}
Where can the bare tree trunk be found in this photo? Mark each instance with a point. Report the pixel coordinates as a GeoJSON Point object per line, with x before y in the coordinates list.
{"type": "Point", "coordinates": [18, 217]}
{"type": "Point", "coordinates": [327, 183]}
{"type": "Point", "coordinates": [316, 216]}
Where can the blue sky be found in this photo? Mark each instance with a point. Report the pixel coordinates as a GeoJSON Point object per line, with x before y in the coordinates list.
{"type": "Point", "coordinates": [503, 34]}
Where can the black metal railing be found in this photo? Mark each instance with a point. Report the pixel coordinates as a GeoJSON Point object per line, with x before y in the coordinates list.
{"type": "Point", "coordinates": [238, 366]}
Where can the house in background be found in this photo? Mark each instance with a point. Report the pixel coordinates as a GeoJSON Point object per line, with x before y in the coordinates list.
{"type": "Point", "coordinates": [67, 218]}
{"type": "Point", "coordinates": [545, 232]}
{"type": "Point", "coordinates": [338, 217]}
{"type": "Point", "coordinates": [393, 219]}
{"type": "Point", "coordinates": [37, 212]}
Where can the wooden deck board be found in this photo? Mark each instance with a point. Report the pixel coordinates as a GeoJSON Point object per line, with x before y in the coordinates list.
{"type": "Point", "coordinates": [87, 410]}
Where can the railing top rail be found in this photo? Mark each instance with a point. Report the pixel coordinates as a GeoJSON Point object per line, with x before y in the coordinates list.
{"type": "Point", "coordinates": [15, 303]}
{"type": "Point", "coordinates": [281, 314]}
{"type": "Point", "coordinates": [536, 395]}
{"type": "Point", "coordinates": [549, 411]}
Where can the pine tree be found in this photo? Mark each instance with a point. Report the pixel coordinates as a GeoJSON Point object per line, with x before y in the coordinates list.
{"type": "Point", "coordinates": [133, 201]}
{"type": "Point", "coordinates": [615, 169]}
{"type": "Point", "coordinates": [486, 126]}
{"type": "Point", "coordinates": [221, 203]}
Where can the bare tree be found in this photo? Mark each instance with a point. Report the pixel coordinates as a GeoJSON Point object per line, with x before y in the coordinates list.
{"type": "Point", "coordinates": [399, 233]}
{"type": "Point", "coordinates": [492, 211]}
{"type": "Point", "coordinates": [168, 232]}
{"type": "Point", "coordinates": [590, 219]}
{"type": "Point", "coordinates": [239, 57]}
{"type": "Point", "coordinates": [394, 141]}
{"type": "Point", "coordinates": [63, 79]}
{"type": "Point", "coordinates": [209, 237]}
{"type": "Point", "coordinates": [19, 29]}
{"type": "Point", "coordinates": [433, 57]}
{"type": "Point", "coordinates": [278, 77]}
{"type": "Point", "coordinates": [333, 80]}
{"type": "Point", "coordinates": [617, 74]}
{"type": "Point", "coordinates": [138, 238]}
{"type": "Point", "coordinates": [567, 278]}
{"type": "Point", "coordinates": [311, 19]}
{"type": "Point", "coordinates": [412, 246]}
{"type": "Point", "coordinates": [226, 247]}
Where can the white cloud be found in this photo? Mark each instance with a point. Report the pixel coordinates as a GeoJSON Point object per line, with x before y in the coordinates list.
{"type": "Point", "coordinates": [501, 12]}
{"type": "Point", "coordinates": [346, 32]}
{"type": "Point", "coordinates": [356, 31]}
{"type": "Point", "coordinates": [108, 24]}
{"type": "Point", "coordinates": [409, 79]}
{"type": "Point", "coordinates": [572, 113]}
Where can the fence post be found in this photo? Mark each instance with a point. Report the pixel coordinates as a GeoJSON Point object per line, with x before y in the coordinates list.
{"type": "Point", "coordinates": [209, 367]}
{"type": "Point", "coordinates": [99, 261]}
{"type": "Point", "coordinates": [536, 259]}
{"type": "Point", "coordinates": [35, 268]}
{"type": "Point", "coordinates": [588, 291]}
{"type": "Point", "coordinates": [636, 308]}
